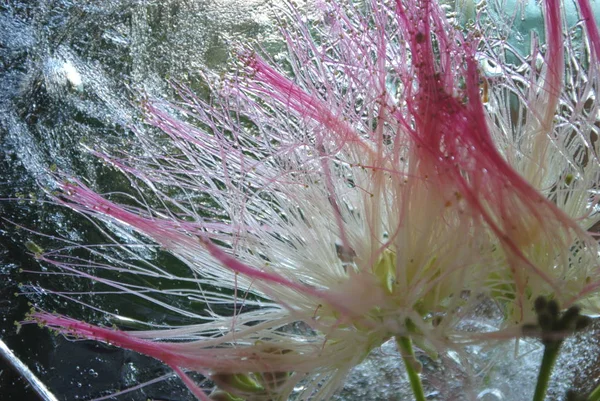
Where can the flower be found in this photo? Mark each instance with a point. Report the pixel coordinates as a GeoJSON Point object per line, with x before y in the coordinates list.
{"type": "Point", "coordinates": [373, 184]}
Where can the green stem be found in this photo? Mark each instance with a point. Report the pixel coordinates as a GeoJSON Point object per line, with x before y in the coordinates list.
{"type": "Point", "coordinates": [410, 362]}
{"type": "Point", "coordinates": [595, 395]}
{"type": "Point", "coordinates": [550, 354]}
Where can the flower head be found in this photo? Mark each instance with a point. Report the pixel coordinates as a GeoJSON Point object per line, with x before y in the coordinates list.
{"type": "Point", "coordinates": [375, 183]}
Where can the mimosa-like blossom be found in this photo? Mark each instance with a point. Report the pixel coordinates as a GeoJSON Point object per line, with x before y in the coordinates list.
{"type": "Point", "coordinates": [376, 183]}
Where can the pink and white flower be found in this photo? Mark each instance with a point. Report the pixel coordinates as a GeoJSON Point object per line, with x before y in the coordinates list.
{"type": "Point", "coordinates": [373, 184]}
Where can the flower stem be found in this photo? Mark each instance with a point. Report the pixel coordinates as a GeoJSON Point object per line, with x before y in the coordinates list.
{"type": "Point", "coordinates": [551, 350]}
{"type": "Point", "coordinates": [595, 395]}
{"type": "Point", "coordinates": [411, 363]}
